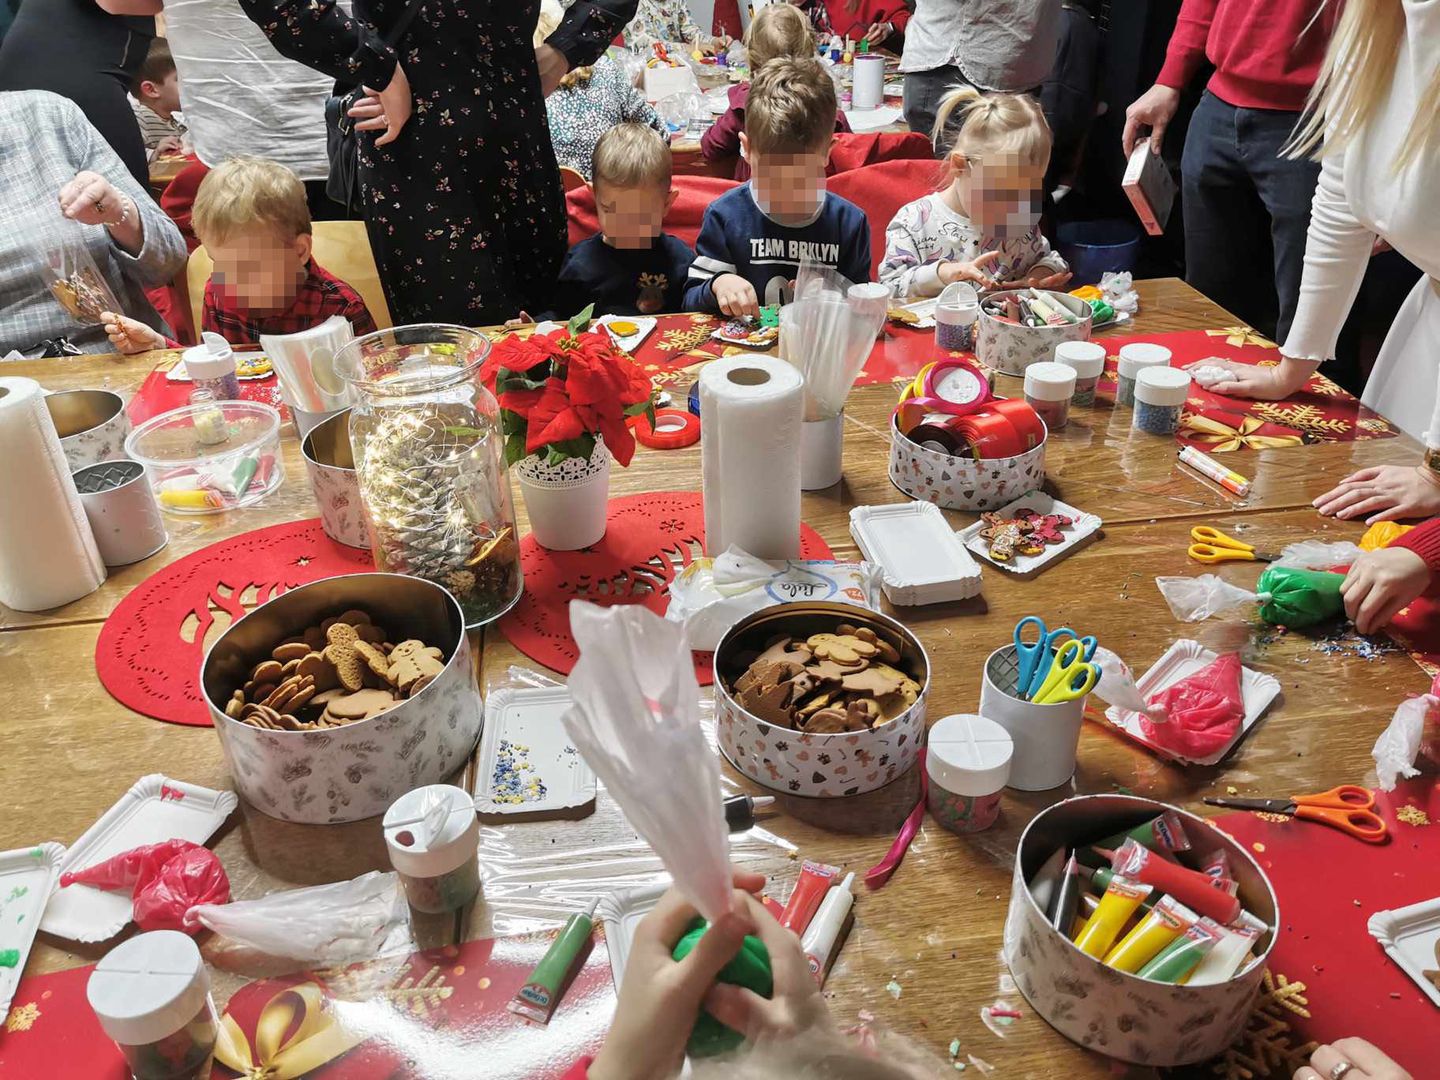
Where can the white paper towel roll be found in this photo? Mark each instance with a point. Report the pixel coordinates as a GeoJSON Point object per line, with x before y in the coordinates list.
{"type": "Point", "coordinates": [48, 555]}
{"type": "Point", "coordinates": [867, 90]}
{"type": "Point", "coordinates": [750, 409]}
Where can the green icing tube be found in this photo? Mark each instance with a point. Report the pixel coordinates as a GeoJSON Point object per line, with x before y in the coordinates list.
{"type": "Point", "coordinates": [1181, 956]}
{"type": "Point", "coordinates": [1295, 597]}
{"type": "Point", "coordinates": [750, 968]}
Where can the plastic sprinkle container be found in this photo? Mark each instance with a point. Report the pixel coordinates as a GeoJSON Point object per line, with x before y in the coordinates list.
{"type": "Point", "coordinates": [211, 366]}
{"type": "Point", "coordinates": [1160, 394]}
{"type": "Point", "coordinates": [211, 456]}
{"type": "Point", "coordinates": [1134, 358]}
{"type": "Point", "coordinates": [1048, 389]}
{"type": "Point", "coordinates": [151, 995]}
{"type": "Point", "coordinates": [968, 763]}
{"type": "Point", "coordinates": [1088, 360]}
{"type": "Point", "coordinates": [433, 837]}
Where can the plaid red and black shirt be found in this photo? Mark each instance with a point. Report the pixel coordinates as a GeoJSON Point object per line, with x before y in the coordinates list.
{"type": "Point", "coordinates": [320, 296]}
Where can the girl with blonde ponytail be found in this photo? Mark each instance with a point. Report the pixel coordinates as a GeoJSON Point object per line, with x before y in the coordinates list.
{"type": "Point", "coordinates": [1373, 120]}
{"type": "Point", "coordinates": [982, 225]}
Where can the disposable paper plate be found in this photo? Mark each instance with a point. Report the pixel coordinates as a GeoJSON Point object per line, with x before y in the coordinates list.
{"type": "Point", "coordinates": [922, 560]}
{"type": "Point", "coordinates": [1181, 660]}
{"type": "Point", "coordinates": [528, 766]}
{"type": "Point", "coordinates": [628, 342]}
{"type": "Point", "coordinates": [621, 913]}
{"type": "Point", "coordinates": [27, 878]}
{"type": "Point", "coordinates": [1082, 527]}
{"type": "Point", "coordinates": [177, 372]}
{"type": "Point", "coordinates": [925, 309]}
{"type": "Point", "coordinates": [1411, 936]}
{"type": "Point", "coordinates": [155, 809]}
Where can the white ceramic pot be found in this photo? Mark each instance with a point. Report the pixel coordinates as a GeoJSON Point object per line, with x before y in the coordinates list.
{"type": "Point", "coordinates": [566, 503]}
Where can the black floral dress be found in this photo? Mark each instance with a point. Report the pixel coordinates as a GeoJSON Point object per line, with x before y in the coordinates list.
{"type": "Point", "coordinates": [465, 210]}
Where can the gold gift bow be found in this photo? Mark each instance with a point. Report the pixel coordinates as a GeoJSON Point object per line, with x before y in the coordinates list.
{"type": "Point", "coordinates": [1242, 335]}
{"type": "Point", "coordinates": [1221, 437]}
{"type": "Point", "coordinates": [318, 1039]}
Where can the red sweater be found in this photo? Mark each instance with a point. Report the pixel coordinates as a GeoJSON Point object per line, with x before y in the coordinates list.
{"type": "Point", "coordinates": [1266, 53]}
{"type": "Point", "coordinates": [722, 139]}
{"type": "Point", "coordinates": [855, 24]}
{"type": "Point", "coordinates": [1424, 540]}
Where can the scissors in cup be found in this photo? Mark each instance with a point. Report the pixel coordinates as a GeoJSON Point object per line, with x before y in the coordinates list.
{"type": "Point", "coordinates": [1347, 808]}
{"type": "Point", "coordinates": [1035, 658]}
{"type": "Point", "coordinates": [1213, 546]}
{"type": "Point", "coordinates": [1069, 677]}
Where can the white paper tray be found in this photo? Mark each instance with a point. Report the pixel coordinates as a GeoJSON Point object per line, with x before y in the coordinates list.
{"type": "Point", "coordinates": [527, 720]}
{"type": "Point", "coordinates": [921, 559]}
{"type": "Point", "coordinates": [1411, 936]}
{"type": "Point", "coordinates": [27, 878]}
{"type": "Point", "coordinates": [1082, 527]}
{"type": "Point", "coordinates": [177, 372]}
{"type": "Point", "coordinates": [628, 342]}
{"type": "Point", "coordinates": [924, 308]}
{"type": "Point", "coordinates": [1180, 661]}
{"type": "Point", "coordinates": [155, 809]}
{"type": "Point", "coordinates": [622, 912]}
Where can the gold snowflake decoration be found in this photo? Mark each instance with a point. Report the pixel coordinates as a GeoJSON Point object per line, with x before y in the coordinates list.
{"type": "Point", "coordinates": [22, 1017]}
{"type": "Point", "coordinates": [1376, 425]}
{"type": "Point", "coordinates": [1306, 418]}
{"type": "Point", "coordinates": [684, 340]}
{"type": "Point", "coordinates": [1266, 1047]}
{"type": "Point", "coordinates": [1319, 384]}
{"type": "Point", "coordinates": [1242, 335]}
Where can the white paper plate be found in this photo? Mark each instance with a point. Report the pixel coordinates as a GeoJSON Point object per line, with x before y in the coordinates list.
{"type": "Point", "coordinates": [1082, 527]}
{"type": "Point", "coordinates": [155, 809]}
{"type": "Point", "coordinates": [921, 559]}
{"type": "Point", "coordinates": [1120, 319]}
{"type": "Point", "coordinates": [1411, 936]}
{"type": "Point", "coordinates": [622, 912]}
{"type": "Point", "coordinates": [1181, 660]}
{"type": "Point", "coordinates": [177, 373]}
{"type": "Point", "coordinates": [923, 308]}
{"type": "Point", "coordinates": [525, 740]}
{"type": "Point", "coordinates": [628, 342]}
{"type": "Point", "coordinates": [27, 878]}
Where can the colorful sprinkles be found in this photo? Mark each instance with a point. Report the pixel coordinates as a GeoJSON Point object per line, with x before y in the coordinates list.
{"type": "Point", "coordinates": [514, 780]}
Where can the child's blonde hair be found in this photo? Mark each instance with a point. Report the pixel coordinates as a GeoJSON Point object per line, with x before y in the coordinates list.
{"type": "Point", "coordinates": [992, 125]}
{"type": "Point", "coordinates": [777, 30]}
{"type": "Point", "coordinates": [631, 156]}
{"type": "Point", "coordinates": [245, 191]}
{"type": "Point", "coordinates": [551, 14]}
{"type": "Point", "coordinates": [791, 107]}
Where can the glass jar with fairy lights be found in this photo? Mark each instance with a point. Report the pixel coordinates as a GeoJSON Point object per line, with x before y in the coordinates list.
{"type": "Point", "coordinates": [430, 463]}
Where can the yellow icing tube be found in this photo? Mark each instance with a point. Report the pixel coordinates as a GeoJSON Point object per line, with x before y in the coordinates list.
{"type": "Point", "coordinates": [1165, 922]}
{"type": "Point", "coordinates": [1116, 906]}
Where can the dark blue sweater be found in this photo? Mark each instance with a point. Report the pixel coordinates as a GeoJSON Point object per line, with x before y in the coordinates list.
{"type": "Point", "coordinates": [623, 281]}
{"type": "Point", "coordinates": [737, 238]}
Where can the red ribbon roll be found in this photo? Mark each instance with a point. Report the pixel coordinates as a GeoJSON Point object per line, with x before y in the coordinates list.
{"type": "Point", "coordinates": [673, 429]}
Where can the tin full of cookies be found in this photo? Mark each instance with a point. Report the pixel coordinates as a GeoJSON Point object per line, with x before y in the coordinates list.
{"type": "Point", "coordinates": [821, 699]}
{"type": "Point", "coordinates": [335, 698]}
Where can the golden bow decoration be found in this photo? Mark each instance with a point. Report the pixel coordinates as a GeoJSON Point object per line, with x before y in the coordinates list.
{"type": "Point", "coordinates": [318, 1039]}
{"type": "Point", "coordinates": [1242, 335]}
{"type": "Point", "coordinates": [1222, 437]}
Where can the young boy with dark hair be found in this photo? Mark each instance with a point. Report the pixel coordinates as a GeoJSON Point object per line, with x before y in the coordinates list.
{"type": "Point", "coordinates": [155, 98]}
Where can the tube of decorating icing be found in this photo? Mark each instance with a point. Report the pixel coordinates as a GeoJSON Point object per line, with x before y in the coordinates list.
{"type": "Point", "coordinates": [537, 999]}
{"type": "Point", "coordinates": [1067, 898]}
{"type": "Point", "coordinates": [1217, 865]}
{"type": "Point", "coordinates": [1166, 921]}
{"type": "Point", "coordinates": [1045, 880]}
{"type": "Point", "coordinates": [1116, 906]}
{"type": "Point", "coordinates": [821, 940]}
{"type": "Point", "coordinates": [1100, 880]}
{"type": "Point", "coordinates": [1179, 958]}
{"type": "Point", "coordinates": [1190, 887]}
{"type": "Point", "coordinates": [1225, 958]}
{"type": "Point", "coordinates": [1164, 833]}
{"type": "Point", "coordinates": [740, 810]}
{"type": "Point", "coordinates": [815, 879]}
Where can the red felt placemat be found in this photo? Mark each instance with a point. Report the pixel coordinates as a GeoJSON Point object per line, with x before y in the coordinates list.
{"type": "Point", "coordinates": [648, 539]}
{"type": "Point", "coordinates": [157, 394]}
{"type": "Point", "coordinates": [151, 646]}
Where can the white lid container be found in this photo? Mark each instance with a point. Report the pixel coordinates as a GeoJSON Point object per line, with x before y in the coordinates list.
{"type": "Point", "coordinates": [1086, 357]}
{"type": "Point", "coordinates": [969, 755]}
{"type": "Point", "coordinates": [922, 560]}
{"type": "Point", "coordinates": [1141, 354]}
{"type": "Point", "coordinates": [957, 304]}
{"type": "Point", "coordinates": [456, 837]}
{"type": "Point", "coordinates": [1049, 381]}
{"type": "Point", "coordinates": [1162, 386]}
{"type": "Point", "coordinates": [211, 359]}
{"type": "Point", "coordinates": [149, 987]}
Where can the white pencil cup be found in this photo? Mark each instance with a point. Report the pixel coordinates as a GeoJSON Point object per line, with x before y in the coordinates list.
{"type": "Point", "coordinates": [1047, 737]}
{"type": "Point", "coordinates": [822, 453]}
{"type": "Point", "coordinates": [124, 516]}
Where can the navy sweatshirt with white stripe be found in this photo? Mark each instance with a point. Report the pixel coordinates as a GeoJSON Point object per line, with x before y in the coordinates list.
{"type": "Point", "coordinates": [738, 238]}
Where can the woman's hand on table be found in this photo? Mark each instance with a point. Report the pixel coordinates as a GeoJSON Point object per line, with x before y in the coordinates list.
{"type": "Point", "coordinates": [387, 110]}
{"type": "Point", "coordinates": [1255, 381]}
{"type": "Point", "coordinates": [1380, 583]}
{"type": "Point", "coordinates": [130, 335]}
{"type": "Point", "coordinates": [1385, 492]}
{"type": "Point", "coordinates": [1365, 1060]}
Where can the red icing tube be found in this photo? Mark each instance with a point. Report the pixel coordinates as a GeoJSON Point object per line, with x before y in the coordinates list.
{"type": "Point", "coordinates": [815, 879]}
{"type": "Point", "coordinates": [1195, 890]}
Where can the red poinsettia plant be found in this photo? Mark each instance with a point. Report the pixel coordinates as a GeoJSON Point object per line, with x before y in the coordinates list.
{"type": "Point", "coordinates": [559, 392]}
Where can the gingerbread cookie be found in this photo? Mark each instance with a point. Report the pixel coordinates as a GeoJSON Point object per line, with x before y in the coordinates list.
{"type": "Point", "coordinates": [412, 660]}
{"type": "Point", "coordinates": [844, 649]}
{"type": "Point", "coordinates": [341, 652]}
{"type": "Point", "coordinates": [361, 705]}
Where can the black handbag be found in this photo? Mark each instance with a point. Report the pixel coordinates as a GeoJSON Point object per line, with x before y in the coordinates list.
{"type": "Point", "coordinates": [341, 139]}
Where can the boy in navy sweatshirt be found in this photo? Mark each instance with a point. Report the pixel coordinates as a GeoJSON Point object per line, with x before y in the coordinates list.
{"type": "Point", "coordinates": [755, 237]}
{"type": "Point", "coordinates": [633, 267]}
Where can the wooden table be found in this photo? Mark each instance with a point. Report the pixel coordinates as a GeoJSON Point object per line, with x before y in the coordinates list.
{"type": "Point", "coordinates": [936, 928]}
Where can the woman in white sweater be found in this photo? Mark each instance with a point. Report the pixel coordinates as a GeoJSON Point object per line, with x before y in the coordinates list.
{"type": "Point", "coordinates": [1376, 108]}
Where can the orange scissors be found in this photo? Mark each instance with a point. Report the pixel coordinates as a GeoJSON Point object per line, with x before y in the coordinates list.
{"type": "Point", "coordinates": [1347, 808]}
{"type": "Point", "coordinates": [1212, 546]}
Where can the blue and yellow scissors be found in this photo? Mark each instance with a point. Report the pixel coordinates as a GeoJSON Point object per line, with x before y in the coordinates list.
{"type": "Point", "coordinates": [1036, 658]}
{"type": "Point", "coordinates": [1069, 677]}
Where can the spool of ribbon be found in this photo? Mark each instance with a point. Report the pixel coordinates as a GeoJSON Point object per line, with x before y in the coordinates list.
{"type": "Point", "coordinates": [955, 386]}
{"type": "Point", "coordinates": [1221, 437]}
{"type": "Point", "coordinates": [317, 1039]}
{"type": "Point", "coordinates": [1024, 419]}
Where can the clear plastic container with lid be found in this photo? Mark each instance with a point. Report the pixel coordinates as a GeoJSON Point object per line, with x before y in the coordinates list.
{"type": "Point", "coordinates": [956, 312]}
{"type": "Point", "coordinates": [1160, 394]}
{"type": "Point", "coordinates": [1134, 358]}
{"type": "Point", "coordinates": [433, 837]}
{"type": "Point", "coordinates": [968, 763]}
{"type": "Point", "coordinates": [211, 366]}
{"type": "Point", "coordinates": [1048, 389]}
{"type": "Point", "coordinates": [1088, 360]}
{"type": "Point", "coordinates": [151, 995]}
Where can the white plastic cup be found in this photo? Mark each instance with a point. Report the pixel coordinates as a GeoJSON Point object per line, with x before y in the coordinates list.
{"type": "Point", "coordinates": [867, 81]}
{"type": "Point", "coordinates": [1047, 737]}
{"type": "Point", "coordinates": [822, 453]}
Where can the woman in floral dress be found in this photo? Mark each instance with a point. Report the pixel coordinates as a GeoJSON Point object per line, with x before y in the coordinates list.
{"type": "Point", "coordinates": [462, 201]}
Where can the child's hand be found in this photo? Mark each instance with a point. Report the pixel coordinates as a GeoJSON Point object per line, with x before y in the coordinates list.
{"type": "Point", "coordinates": [1040, 277]}
{"type": "Point", "coordinates": [659, 998]}
{"type": "Point", "coordinates": [878, 32]}
{"type": "Point", "coordinates": [1380, 583]}
{"type": "Point", "coordinates": [974, 270]}
{"type": "Point", "coordinates": [170, 144]}
{"type": "Point", "coordinates": [523, 319]}
{"type": "Point", "coordinates": [736, 296]}
{"type": "Point", "coordinates": [130, 335]}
